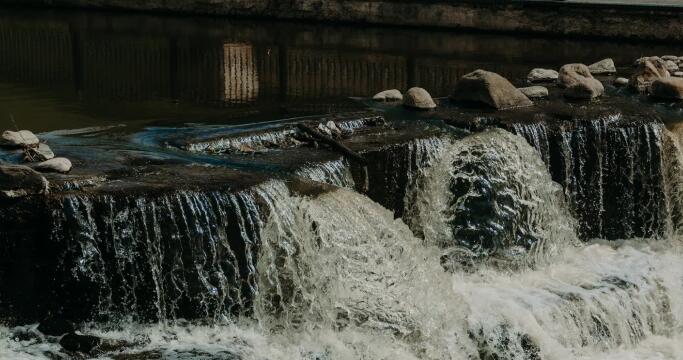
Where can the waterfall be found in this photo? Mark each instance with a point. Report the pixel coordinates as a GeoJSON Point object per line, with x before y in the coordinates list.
{"type": "Point", "coordinates": [672, 163]}
{"type": "Point", "coordinates": [158, 257]}
{"type": "Point", "coordinates": [337, 173]}
{"type": "Point", "coordinates": [610, 170]}
{"type": "Point", "coordinates": [489, 194]}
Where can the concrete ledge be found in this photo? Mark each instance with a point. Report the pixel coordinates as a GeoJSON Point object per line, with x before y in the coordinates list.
{"type": "Point", "coordinates": [593, 19]}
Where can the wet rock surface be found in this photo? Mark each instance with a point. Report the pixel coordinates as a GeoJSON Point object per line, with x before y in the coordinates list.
{"type": "Point", "coordinates": [17, 181]}
{"type": "Point", "coordinates": [579, 83]}
{"type": "Point", "coordinates": [542, 75]}
{"type": "Point", "coordinates": [21, 138]}
{"type": "Point", "coordinates": [648, 69]}
{"type": "Point", "coordinates": [603, 67]}
{"type": "Point", "coordinates": [668, 88]}
{"type": "Point", "coordinates": [489, 88]}
{"type": "Point", "coordinates": [59, 164]}
{"type": "Point", "coordinates": [418, 98]}
{"type": "Point", "coordinates": [533, 92]}
{"type": "Point", "coordinates": [38, 154]}
{"type": "Point", "coordinates": [388, 95]}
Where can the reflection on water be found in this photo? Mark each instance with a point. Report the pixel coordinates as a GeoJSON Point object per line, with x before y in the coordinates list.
{"type": "Point", "coordinates": [68, 69]}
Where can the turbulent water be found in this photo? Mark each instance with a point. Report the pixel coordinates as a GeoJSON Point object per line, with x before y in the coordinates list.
{"type": "Point", "coordinates": [336, 276]}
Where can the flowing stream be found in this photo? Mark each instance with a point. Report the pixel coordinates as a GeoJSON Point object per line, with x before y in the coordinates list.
{"type": "Point", "coordinates": [486, 263]}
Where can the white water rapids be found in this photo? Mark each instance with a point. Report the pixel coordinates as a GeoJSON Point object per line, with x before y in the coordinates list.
{"type": "Point", "coordinates": [339, 278]}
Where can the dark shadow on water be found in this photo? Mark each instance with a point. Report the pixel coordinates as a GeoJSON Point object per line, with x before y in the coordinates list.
{"type": "Point", "coordinates": [68, 69]}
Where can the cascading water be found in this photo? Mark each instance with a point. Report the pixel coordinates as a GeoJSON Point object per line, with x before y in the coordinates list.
{"type": "Point", "coordinates": [336, 276]}
{"type": "Point", "coordinates": [177, 255]}
{"type": "Point", "coordinates": [611, 171]}
{"type": "Point", "coordinates": [488, 195]}
{"type": "Point", "coordinates": [337, 173]}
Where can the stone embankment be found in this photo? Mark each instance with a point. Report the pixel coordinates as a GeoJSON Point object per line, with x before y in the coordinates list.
{"type": "Point", "coordinates": [548, 17]}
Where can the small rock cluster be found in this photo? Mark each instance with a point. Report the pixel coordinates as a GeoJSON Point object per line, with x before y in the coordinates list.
{"type": "Point", "coordinates": [660, 77]}
{"type": "Point", "coordinates": [19, 180]}
{"type": "Point", "coordinates": [652, 75]}
{"type": "Point", "coordinates": [38, 154]}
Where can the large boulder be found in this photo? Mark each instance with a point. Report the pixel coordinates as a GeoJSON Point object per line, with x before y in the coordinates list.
{"type": "Point", "coordinates": [58, 164]}
{"type": "Point", "coordinates": [535, 92]}
{"type": "Point", "coordinates": [585, 89]}
{"type": "Point", "coordinates": [542, 75]}
{"type": "Point", "coordinates": [669, 88]}
{"type": "Point", "coordinates": [21, 138]}
{"type": "Point", "coordinates": [17, 181]}
{"type": "Point", "coordinates": [571, 74]}
{"type": "Point", "coordinates": [579, 83]}
{"type": "Point", "coordinates": [602, 67]}
{"type": "Point", "coordinates": [648, 70]}
{"type": "Point", "coordinates": [418, 98]}
{"type": "Point", "coordinates": [388, 95]}
{"type": "Point", "coordinates": [489, 88]}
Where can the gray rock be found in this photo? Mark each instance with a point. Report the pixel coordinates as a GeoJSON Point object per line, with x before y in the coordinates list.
{"type": "Point", "coordinates": [17, 181]}
{"type": "Point", "coordinates": [670, 57]}
{"type": "Point", "coordinates": [388, 95]}
{"type": "Point", "coordinates": [669, 88]}
{"type": "Point", "coordinates": [671, 66]}
{"type": "Point", "coordinates": [678, 74]}
{"type": "Point", "coordinates": [579, 83]}
{"type": "Point", "coordinates": [534, 92]}
{"type": "Point", "coordinates": [647, 71]}
{"type": "Point", "coordinates": [601, 67]}
{"type": "Point", "coordinates": [489, 88]}
{"type": "Point", "coordinates": [21, 138]}
{"type": "Point", "coordinates": [588, 88]}
{"type": "Point", "coordinates": [418, 98]}
{"type": "Point", "coordinates": [542, 75]}
{"type": "Point", "coordinates": [620, 82]}
{"type": "Point", "coordinates": [59, 164]}
{"type": "Point", "coordinates": [40, 153]}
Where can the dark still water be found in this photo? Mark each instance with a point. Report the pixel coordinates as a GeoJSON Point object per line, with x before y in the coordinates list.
{"type": "Point", "coordinates": [75, 69]}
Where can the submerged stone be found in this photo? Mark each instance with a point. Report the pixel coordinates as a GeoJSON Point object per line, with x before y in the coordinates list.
{"type": "Point", "coordinates": [489, 88]}
{"type": "Point", "coordinates": [60, 164]}
{"type": "Point", "coordinates": [21, 138]}
{"type": "Point", "coordinates": [418, 98]}
{"type": "Point", "coordinates": [678, 74]}
{"type": "Point", "coordinates": [388, 95]}
{"type": "Point", "coordinates": [648, 70]}
{"type": "Point", "coordinates": [601, 67]}
{"type": "Point", "coordinates": [670, 88]}
{"type": "Point", "coordinates": [535, 91]}
{"type": "Point", "coordinates": [542, 75]}
{"type": "Point", "coordinates": [17, 181]}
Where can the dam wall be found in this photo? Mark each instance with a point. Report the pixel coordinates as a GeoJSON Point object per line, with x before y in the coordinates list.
{"type": "Point", "coordinates": [578, 18]}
